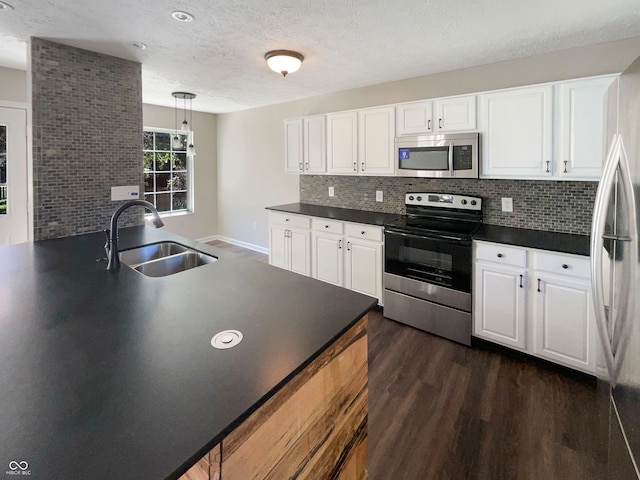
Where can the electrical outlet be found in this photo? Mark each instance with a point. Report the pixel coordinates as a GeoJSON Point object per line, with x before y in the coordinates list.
{"type": "Point", "coordinates": [331, 192]}
{"type": "Point", "coordinates": [378, 195]}
{"type": "Point", "coordinates": [125, 193]}
{"type": "Point", "coordinates": [507, 204]}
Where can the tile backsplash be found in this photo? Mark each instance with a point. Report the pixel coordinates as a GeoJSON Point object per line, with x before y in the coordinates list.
{"type": "Point", "coordinates": [539, 205]}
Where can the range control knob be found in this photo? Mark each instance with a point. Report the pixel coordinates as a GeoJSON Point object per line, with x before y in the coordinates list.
{"type": "Point", "coordinates": [419, 199]}
{"type": "Point", "coordinates": [463, 202]}
{"type": "Point", "coordinates": [473, 202]}
{"type": "Point", "coordinates": [410, 197]}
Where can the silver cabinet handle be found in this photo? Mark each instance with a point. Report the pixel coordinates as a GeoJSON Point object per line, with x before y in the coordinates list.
{"type": "Point", "coordinates": [521, 280]}
{"type": "Point", "coordinates": [539, 282]}
{"type": "Point", "coordinates": [300, 166]}
{"type": "Point", "coordinates": [547, 162]}
{"type": "Point", "coordinates": [439, 123]}
{"type": "Point", "coordinates": [355, 167]}
{"type": "Point", "coordinates": [348, 246]}
{"type": "Point", "coordinates": [340, 243]}
{"type": "Point", "coordinates": [307, 166]}
{"type": "Point", "coordinates": [429, 124]}
{"type": "Point", "coordinates": [565, 167]}
{"type": "Point", "coordinates": [363, 166]}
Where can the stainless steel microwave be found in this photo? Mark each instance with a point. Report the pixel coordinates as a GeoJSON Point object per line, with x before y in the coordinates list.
{"type": "Point", "coordinates": [453, 155]}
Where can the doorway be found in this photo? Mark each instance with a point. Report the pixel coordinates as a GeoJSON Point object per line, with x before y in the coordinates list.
{"type": "Point", "coordinates": [14, 213]}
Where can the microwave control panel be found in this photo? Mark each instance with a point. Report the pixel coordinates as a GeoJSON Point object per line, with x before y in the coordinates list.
{"type": "Point", "coordinates": [462, 157]}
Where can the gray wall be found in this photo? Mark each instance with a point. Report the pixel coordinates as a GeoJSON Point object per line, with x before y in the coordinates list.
{"type": "Point", "coordinates": [87, 137]}
{"type": "Point", "coordinates": [539, 205]}
{"type": "Point", "coordinates": [251, 144]}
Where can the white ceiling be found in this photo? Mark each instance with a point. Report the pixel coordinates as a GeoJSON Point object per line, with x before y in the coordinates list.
{"type": "Point", "coordinates": [346, 43]}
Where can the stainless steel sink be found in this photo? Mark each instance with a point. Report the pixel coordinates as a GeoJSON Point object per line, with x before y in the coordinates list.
{"type": "Point", "coordinates": [147, 253]}
{"type": "Point", "coordinates": [165, 258]}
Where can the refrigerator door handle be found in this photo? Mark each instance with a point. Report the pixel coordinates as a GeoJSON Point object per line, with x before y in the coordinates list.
{"type": "Point", "coordinates": [603, 196]}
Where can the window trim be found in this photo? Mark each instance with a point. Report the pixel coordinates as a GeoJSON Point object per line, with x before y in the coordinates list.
{"type": "Point", "coordinates": [190, 173]}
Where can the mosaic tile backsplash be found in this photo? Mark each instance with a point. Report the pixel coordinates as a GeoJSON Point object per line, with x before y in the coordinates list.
{"type": "Point", "coordinates": [539, 205]}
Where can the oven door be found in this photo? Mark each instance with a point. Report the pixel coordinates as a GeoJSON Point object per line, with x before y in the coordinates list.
{"type": "Point", "coordinates": [436, 259]}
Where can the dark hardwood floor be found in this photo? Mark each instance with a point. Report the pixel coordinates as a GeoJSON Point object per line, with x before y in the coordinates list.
{"type": "Point", "coordinates": [439, 410]}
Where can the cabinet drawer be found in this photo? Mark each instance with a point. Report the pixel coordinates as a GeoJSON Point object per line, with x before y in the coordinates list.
{"type": "Point", "coordinates": [563, 264]}
{"type": "Point", "coordinates": [501, 254]}
{"type": "Point", "coordinates": [368, 232]}
{"type": "Point", "coordinates": [324, 225]}
{"type": "Point", "coordinates": [289, 220]}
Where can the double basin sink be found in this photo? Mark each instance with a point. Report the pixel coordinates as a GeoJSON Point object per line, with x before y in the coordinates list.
{"type": "Point", "coordinates": [164, 258]}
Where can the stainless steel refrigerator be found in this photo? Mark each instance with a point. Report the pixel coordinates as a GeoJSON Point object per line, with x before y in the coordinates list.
{"type": "Point", "coordinates": [616, 277]}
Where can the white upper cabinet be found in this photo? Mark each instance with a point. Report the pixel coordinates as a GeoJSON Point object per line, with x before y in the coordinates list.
{"type": "Point", "coordinates": [414, 118]}
{"type": "Point", "coordinates": [451, 114]}
{"type": "Point", "coordinates": [305, 145]}
{"type": "Point", "coordinates": [580, 127]}
{"type": "Point", "coordinates": [315, 144]}
{"type": "Point", "coordinates": [455, 114]}
{"type": "Point", "coordinates": [293, 146]}
{"type": "Point", "coordinates": [342, 142]}
{"type": "Point", "coordinates": [376, 135]}
{"type": "Point", "coordinates": [516, 128]}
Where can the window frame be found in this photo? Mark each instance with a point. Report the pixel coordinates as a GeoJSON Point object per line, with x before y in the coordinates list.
{"type": "Point", "coordinates": [190, 173]}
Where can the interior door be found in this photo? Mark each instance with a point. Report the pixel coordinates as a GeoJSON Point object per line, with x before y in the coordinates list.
{"type": "Point", "coordinates": [14, 220]}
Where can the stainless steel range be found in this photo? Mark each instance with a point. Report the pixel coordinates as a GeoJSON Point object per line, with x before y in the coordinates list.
{"type": "Point", "coordinates": [427, 279]}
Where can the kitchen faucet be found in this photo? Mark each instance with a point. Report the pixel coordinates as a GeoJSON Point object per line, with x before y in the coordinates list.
{"type": "Point", "coordinates": [111, 247]}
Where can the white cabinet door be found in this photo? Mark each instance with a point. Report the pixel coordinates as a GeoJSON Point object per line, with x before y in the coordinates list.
{"type": "Point", "coordinates": [363, 270]}
{"type": "Point", "coordinates": [564, 321]}
{"type": "Point", "coordinates": [376, 135]}
{"type": "Point", "coordinates": [300, 252]}
{"type": "Point", "coordinates": [278, 247]}
{"type": "Point", "coordinates": [293, 142]}
{"type": "Point", "coordinates": [342, 142]}
{"type": "Point", "coordinates": [315, 144]}
{"type": "Point", "coordinates": [455, 114]}
{"type": "Point", "coordinates": [499, 307]}
{"type": "Point", "coordinates": [517, 133]}
{"type": "Point", "coordinates": [328, 259]}
{"type": "Point", "coordinates": [414, 118]}
{"type": "Point", "coordinates": [580, 128]}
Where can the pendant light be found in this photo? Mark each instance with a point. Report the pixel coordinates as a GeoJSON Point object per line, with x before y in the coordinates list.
{"type": "Point", "coordinates": [284, 61]}
{"type": "Point", "coordinates": [186, 126]}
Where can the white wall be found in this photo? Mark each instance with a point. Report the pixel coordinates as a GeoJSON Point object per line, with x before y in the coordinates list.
{"type": "Point", "coordinates": [13, 85]}
{"type": "Point", "coordinates": [251, 143]}
{"type": "Point", "coordinates": [202, 222]}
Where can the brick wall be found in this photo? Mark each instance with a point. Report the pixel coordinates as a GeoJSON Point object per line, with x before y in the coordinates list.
{"type": "Point", "coordinates": [87, 137]}
{"type": "Point", "coordinates": [539, 205]}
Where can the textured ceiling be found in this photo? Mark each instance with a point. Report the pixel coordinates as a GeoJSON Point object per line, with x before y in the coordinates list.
{"type": "Point", "coordinates": [346, 43]}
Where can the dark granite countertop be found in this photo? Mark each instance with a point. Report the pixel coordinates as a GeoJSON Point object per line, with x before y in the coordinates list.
{"type": "Point", "coordinates": [337, 213]}
{"type": "Point", "coordinates": [110, 375]}
{"type": "Point", "coordinates": [553, 241]}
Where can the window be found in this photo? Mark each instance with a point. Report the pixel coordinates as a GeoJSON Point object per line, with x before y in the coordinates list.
{"type": "Point", "coordinates": [166, 171]}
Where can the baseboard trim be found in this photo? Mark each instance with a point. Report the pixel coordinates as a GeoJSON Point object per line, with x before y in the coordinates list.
{"type": "Point", "coordinates": [239, 243]}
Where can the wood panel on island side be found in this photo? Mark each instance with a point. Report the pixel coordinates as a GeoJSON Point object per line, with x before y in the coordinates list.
{"type": "Point", "coordinates": [315, 427]}
{"type": "Point", "coordinates": [439, 410]}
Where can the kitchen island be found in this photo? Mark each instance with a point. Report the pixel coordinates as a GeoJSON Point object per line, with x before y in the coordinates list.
{"type": "Point", "coordinates": [110, 375]}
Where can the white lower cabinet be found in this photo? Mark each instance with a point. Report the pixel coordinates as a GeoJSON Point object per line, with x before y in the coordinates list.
{"type": "Point", "coordinates": [345, 254]}
{"type": "Point", "coordinates": [290, 242]}
{"type": "Point", "coordinates": [535, 301]}
{"type": "Point", "coordinates": [348, 255]}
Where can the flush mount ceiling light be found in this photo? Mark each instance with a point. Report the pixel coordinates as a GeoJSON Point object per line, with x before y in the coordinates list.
{"type": "Point", "coordinates": [176, 141]}
{"type": "Point", "coordinates": [6, 6]}
{"type": "Point", "coordinates": [139, 45]}
{"type": "Point", "coordinates": [182, 16]}
{"type": "Point", "coordinates": [283, 61]}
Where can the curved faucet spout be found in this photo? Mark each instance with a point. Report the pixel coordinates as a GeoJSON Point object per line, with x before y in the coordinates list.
{"type": "Point", "coordinates": [111, 246]}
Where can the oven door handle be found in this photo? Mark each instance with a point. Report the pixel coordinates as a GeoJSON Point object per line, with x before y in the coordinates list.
{"type": "Point", "coordinates": [450, 238]}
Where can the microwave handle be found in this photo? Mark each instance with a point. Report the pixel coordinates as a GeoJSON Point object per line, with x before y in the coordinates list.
{"type": "Point", "coordinates": [451, 174]}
